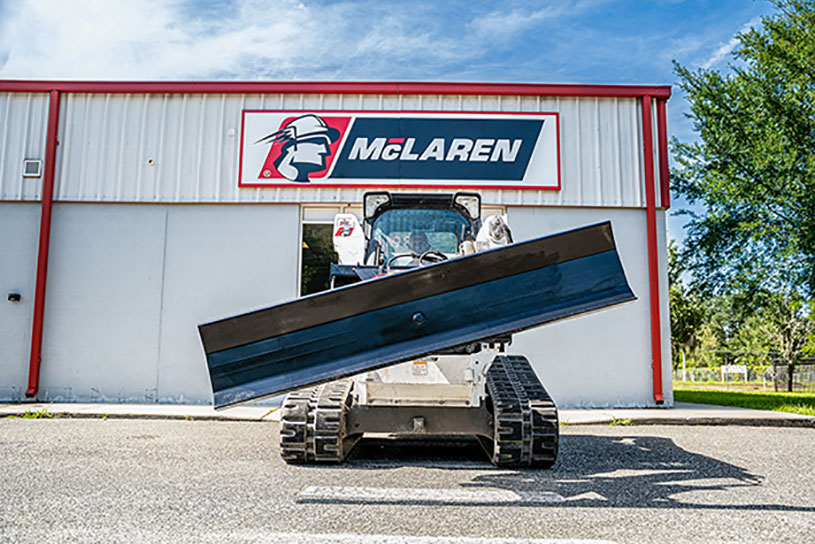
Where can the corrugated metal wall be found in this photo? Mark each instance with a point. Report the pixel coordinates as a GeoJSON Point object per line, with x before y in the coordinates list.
{"type": "Point", "coordinates": [184, 148]}
{"type": "Point", "coordinates": [23, 127]}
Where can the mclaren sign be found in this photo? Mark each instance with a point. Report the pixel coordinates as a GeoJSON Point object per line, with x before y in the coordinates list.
{"type": "Point", "coordinates": [341, 148]}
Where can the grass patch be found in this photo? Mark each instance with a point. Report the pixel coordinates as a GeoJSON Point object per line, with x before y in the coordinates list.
{"type": "Point", "coordinates": [795, 403]}
{"type": "Point", "coordinates": [621, 422]}
{"type": "Point", "coordinates": [718, 383]}
{"type": "Point", "coordinates": [39, 414]}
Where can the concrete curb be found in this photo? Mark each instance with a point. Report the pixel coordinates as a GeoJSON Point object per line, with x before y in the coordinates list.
{"type": "Point", "coordinates": [686, 414]}
{"type": "Point", "coordinates": [697, 421]}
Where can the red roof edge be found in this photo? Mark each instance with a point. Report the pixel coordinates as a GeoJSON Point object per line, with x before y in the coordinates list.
{"type": "Point", "coordinates": [334, 87]}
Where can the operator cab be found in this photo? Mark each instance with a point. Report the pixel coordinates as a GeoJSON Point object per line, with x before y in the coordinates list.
{"type": "Point", "coordinates": [407, 230]}
{"type": "Point", "coordinates": [400, 231]}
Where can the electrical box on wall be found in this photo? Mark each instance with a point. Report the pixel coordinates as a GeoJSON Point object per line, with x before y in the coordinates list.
{"type": "Point", "coordinates": [32, 168]}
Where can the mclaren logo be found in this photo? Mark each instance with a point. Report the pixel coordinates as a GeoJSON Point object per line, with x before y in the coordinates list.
{"type": "Point", "coordinates": [302, 146]}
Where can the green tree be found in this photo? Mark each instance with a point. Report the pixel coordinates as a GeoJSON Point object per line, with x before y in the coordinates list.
{"type": "Point", "coordinates": [687, 310]}
{"type": "Point", "coordinates": [317, 256]}
{"type": "Point", "coordinates": [751, 344]}
{"type": "Point", "coordinates": [753, 167]}
{"type": "Point", "coordinates": [708, 347]}
{"type": "Point", "coordinates": [788, 323]}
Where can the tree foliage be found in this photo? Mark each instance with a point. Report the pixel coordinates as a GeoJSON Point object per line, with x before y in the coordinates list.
{"type": "Point", "coordinates": [753, 167]}
{"type": "Point", "coordinates": [687, 312]}
{"type": "Point", "coordinates": [765, 328]}
{"type": "Point", "coordinates": [787, 323]}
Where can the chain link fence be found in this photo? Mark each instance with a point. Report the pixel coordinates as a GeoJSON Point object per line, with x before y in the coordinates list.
{"type": "Point", "coordinates": [722, 370]}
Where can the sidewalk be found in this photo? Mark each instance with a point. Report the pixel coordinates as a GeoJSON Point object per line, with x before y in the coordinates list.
{"type": "Point", "coordinates": [681, 414]}
{"type": "Point", "coordinates": [138, 411]}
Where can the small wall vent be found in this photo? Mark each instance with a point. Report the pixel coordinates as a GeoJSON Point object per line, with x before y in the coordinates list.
{"type": "Point", "coordinates": [32, 168]}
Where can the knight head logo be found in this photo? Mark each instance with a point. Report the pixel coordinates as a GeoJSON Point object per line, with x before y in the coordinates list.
{"type": "Point", "coordinates": [304, 143]}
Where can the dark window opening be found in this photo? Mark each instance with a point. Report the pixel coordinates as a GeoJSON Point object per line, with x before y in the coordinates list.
{"type": "Point", "coordinates": [317, 256]}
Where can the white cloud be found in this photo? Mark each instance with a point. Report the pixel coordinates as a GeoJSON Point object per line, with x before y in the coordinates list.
{"type": "Point", "coordinates": [507, 24]}
{"type": "Point", "coordinates": [726, 48]}
{"type": "Point", "coordinates": [256, 39]}
{"type": "Point", "coordinates": [720, 53]}
{"type": "Point", "coordinates": [249, 39]}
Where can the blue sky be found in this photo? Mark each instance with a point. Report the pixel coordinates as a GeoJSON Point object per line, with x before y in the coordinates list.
{"type": "Point", "coordinates": [566, 41]}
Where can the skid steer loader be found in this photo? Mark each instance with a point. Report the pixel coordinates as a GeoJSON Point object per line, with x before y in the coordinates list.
{"type": "Point", "coordinates": [411, 339]}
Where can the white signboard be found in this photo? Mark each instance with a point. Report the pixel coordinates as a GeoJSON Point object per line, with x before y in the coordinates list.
{"type": "Point", "coordinates": [417, 149]}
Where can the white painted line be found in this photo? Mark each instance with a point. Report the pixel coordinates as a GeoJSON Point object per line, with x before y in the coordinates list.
{"type": "Point", "coordinates": [588, 496]}
{"type": "Point", "coordinates": [447, 496]}
{"type": "Point", "coordinates": [294, 538]}
{"type": "Point", "coordinates": [634, 472]}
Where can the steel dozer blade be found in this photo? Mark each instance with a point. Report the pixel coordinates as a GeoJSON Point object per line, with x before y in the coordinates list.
{"type": "Point", "coordinates": [405, 315]}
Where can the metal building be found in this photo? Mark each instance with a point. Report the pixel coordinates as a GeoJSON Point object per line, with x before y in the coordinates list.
{"type": "Point", "coordinates": [127, 219]}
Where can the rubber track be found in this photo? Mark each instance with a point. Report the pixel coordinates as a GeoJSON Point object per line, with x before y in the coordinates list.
{"type": "Point", "coordinates": [312, 424]}
{"type": "Point", "coordinates": [526, 424]}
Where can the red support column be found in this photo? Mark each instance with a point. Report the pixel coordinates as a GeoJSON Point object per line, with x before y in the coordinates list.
{"type": "Point", "coordinates": [662, 149]}
{"type": "Point", "coordinates": [653, 259]}
{"type": "Point", "coordinates": [45, 235]}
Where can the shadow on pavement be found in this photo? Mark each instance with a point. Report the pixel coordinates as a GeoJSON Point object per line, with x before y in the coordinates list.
{"type": "Point", "coordinates": [394, 453]}
{"type": "Point", "coordinates": [592, 471]}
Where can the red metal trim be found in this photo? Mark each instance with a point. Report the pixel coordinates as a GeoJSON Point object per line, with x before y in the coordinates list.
{"type": "Point", "coordinates": [45, 236]}
{"type": "Point", "coordinates": [335, 87]}
{"type": "Point", "coordinates": [374, 184]}
{"type": "Point", "coordinates": [56, 87]}
{"type": "Point", "coordinates": [653, 260]}
{"type": "Point", "coordinates": [557, 142]}
{"type": "Point", "coordinates": [411, 112]}
{"type": "Point", "coordinates": [240, 152]}
{"type": "Point", "coordinates": [662, 149]}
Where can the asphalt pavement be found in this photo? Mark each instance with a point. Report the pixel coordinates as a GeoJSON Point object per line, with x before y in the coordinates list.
{"type": "Point", "coordinates": [169, 480]}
